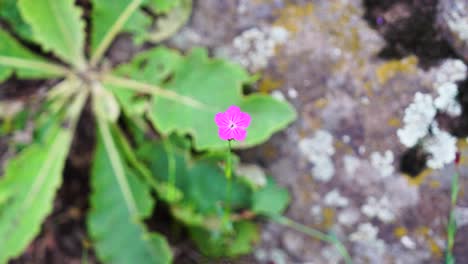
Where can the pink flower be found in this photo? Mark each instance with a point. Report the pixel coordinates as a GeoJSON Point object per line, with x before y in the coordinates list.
{"type": "Point", "coordinates": [232, 123]}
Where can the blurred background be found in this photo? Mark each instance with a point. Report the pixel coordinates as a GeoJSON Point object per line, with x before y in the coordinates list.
{"type": "Point", "coordinates": [352, 69]}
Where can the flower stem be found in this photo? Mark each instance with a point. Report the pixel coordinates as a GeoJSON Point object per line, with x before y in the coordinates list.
{"type": "Point", "coordinates": [452, 225]}
{"type": "Point", "coordinates": [313, 233]}
{"type": "Point", "coordinates": [228, 173]}
{"type": "Point", "coordinates": [171, 169]}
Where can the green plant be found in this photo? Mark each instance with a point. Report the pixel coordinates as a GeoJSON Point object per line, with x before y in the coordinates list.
{"type": "Point", "coordinates": [158, 89]}
{"type": "Point", "coordinates": [452, 224]}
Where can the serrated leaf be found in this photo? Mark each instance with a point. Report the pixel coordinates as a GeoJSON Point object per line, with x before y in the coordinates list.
{"type": "Point", "coordinates": [10, 13]}
{"type": "Point", "coordinates": [34, 175]}
{"type": "Point", "coordinates": [270, 200]}
{"type": "Point", "coordinates": [201, 180]}
{"type": "Point", "coordinates": [230, 245]}
{"type": "Point", "coordinates": [110, 18]}
{"type": "Point", "coordinates": [57, 26]}
{"type": "Point", "coordinates": [200, 88]}
{"type": "Point", "coordinates": [120, 201]}
{"type": "Point", "coordinates": [15, 58]}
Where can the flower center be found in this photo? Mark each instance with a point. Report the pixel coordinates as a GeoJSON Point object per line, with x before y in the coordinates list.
{"type": "Point", "coordinates": [232, 125]}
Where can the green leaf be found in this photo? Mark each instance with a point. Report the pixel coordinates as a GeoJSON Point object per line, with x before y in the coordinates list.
{"type": "Point", "coordinates": [201, 180]}
{"type": "Point", "coordinates": [271, 199]}
{"type": "Point", "coordinates": [34, 175]}
{"type": "Point", "coordinates": [16, 58]}
{"type": "Point", "coordinates": [10, 13]}
{"type": "Point", "coordinates": [120, 201]}
{"type": "Point", "coordinates": [110, 18]}
{"type": "Point", "coordinates": [57, 26]}
{"type": "Point", "coordinates": [138, 25]}
{"type": "Point", "coordinates": [176, 14]}
{"type": "Point", "coordinates": [230, 245]}
{"type": "Point", "coordinates": [196, 89]}
{"type": "Point", "coordinates": [163, 6]}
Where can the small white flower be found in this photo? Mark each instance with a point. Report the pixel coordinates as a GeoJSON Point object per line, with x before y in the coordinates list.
{"type": "Point", "coordinates": [451, 70]}
{"type": "Point", "coordinates": [407, 242]}
{"type": "Point", "coordinates": [366, 232]}
{"type": "Point", "coordinates": [378, 208]}
{"type": "Point", "coordinates": [383, 163]}
{"type": "Point", "coordinates": [318, 150]}
{"type": "Point", "coordinates": [323, 169]}
{"type": "Point", "coordinates": [441, 146]}
{"type": "Point", "coordinates": [254, 47]}
{"type": "Point", "coordinates": [351, 164]}
{"type": "Point", "coordinates": [319, 145]}
{"type": "Point", "coordinates": [418, 116]}
{"type": "Point", "coordinates": [334, 198]}
{"type": "Point", "coordinates": [447, 99]}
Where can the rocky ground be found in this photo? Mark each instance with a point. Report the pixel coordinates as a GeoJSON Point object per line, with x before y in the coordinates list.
{"type": "Point", "coordinates": [350, 68]}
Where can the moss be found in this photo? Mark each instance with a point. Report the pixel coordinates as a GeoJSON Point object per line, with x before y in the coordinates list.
{"type": "Point", "coordinates": [390, 69]}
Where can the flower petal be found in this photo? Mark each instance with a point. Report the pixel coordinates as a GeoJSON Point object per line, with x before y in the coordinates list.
{"type": "Point", "coordinates": [239, 134]}
{"type": "Point", "coordinates": [243, 120]}
{"type": "Point", "coordinates": [225, 133]}
{"type": "Point", "coordinates": [221, 120]}
{"type": "Point", "coordinates": [233, 109]}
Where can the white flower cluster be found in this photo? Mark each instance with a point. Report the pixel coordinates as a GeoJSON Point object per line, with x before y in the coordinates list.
{"type": "Point", "coordinates": [447, 99]}
{"type": "Point", "coordinates": [378, 208]}
{"type": "Point", "coordinates": [419, 116]}
{"type": "Point", "coordinates": [417, 119]}
{"type": "Point", "coordinates": [448, 73]}
{"type": "Point", "coordinates": [457, 22]}
{"type": "Point", "coordinates": [383, 163]}
{"type": "Point", "coordinates": [451, 70]}
{"type": "Point", "coordinates": [441, 147]}
{"type": "Point", "coordinates": [368, 244]}
{"type": "Point", "coordinates": [334, 198]}
{"type": "Point", "coordinates": [366, 232]}
{"type": "Point", "coordinates": [318, 151]}
{"type": "Point", "coordinates": [254, 47]}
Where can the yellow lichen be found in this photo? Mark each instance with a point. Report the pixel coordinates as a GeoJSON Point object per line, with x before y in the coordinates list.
{"type": "Point", "coordinates": [390, 69]}
{"type": "Point", "coordinates": [268, 84]}
{"type": "Point", "coordinates": [400, 232]}
{"type": "Point", "coordinates": [434, 184]}
{"type": "Point", "coordinates": [314, 123]}
{"type": "Point", "coordinates": [434, 248]}
{"type": "Point", "coordinates": [394, 122]}
{"type": "Point", "coordinates": [320, 103]}
{"type": "Point", "coordinates": [418, 179]}
{"type": "Point", "coordinates": [462, 146]}
{"type": "Point", "coordinates": [328, 217]}
{"type": "Point", "coordinates": [425, 231]}
{"type": "Point", "coordinates": [291, 17]}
